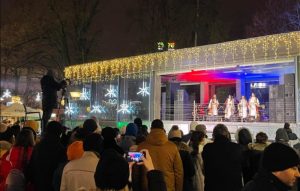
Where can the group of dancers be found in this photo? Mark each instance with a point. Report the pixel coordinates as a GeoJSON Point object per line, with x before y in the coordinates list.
{"type": "Point", "coordinates": [246, 109]}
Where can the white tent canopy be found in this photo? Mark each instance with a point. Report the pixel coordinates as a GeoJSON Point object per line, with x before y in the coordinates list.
{"type": "Point", "coordinates": [17, 110]}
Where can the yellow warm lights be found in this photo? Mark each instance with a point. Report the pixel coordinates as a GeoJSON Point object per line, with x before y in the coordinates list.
{"type": "Point", "coordinates": [251, 50]}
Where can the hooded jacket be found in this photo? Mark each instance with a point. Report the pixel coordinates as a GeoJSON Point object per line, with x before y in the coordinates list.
{"type": "Point", "coordinates": [222, 162]}
{"type": "Point", "coordinates": [265, 181]}
{"type": "Point", "coordinates": [165, 157]}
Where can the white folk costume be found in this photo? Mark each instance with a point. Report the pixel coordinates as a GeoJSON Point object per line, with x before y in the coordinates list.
{"type": "Point", "coordinates": [213, 106]}
{"type": "Point", "coordinates": [253, 107]}
{"type": "Point", "coordinates": [229, 108]}
{"type": "Point", "coordinates": [243, 107]}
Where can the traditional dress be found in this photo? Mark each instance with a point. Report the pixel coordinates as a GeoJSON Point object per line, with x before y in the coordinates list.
{"type": "Point", "coordinates": [229, 108]}
{"type": "Point", "coordinates": [253, 107]}
{"type": "Point", "coordinates": [213, 106]}
{"type": "Point", "coordinates": [243, 108]}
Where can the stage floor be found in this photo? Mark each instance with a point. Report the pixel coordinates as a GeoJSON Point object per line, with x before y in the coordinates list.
{"type": "Point", "coordinates": [254, 127]}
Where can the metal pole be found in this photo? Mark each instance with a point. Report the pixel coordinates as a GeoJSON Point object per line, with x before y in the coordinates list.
{"type": "Point", "coordinates": [194, 111]}
{"type": "Point", "coordinates": [196, 24]}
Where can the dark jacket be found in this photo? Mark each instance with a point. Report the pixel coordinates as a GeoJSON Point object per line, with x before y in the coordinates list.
{"type": "Point", "coordinates": [45, 158]}
{"type": "Point", "coordinates": [222, 162]}
{"type": "Point", "coordinates": [156, 181]}
{"type": "Point", "coordinates": [49, 89]}
{"type": "Point", "coordinates": [186, 138]}
{"type": "Point", "coordinates": [265, 181]}
{"type": "Point", "coordinates": [187, 163]}
{"type": "Point", "coordinates": [127, 142]}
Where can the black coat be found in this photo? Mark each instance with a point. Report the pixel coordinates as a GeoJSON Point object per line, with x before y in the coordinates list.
{"type": "Point", "coordinates": [46, 157]}
{"type": "Point", "coordinates": [188, 169]}
{"type": "Point", "coordinates": [222, 162]}
{"type": "Point", "coordinates": [265, 181]}
{"type": "Point", "coordinates": [156, 181]}
{"type": "Point", "coordinates": [49, 89]}
{"type": "Point", "coordinates": [186, 138]}
{"type": "Point", "coordinates": [155, 178]}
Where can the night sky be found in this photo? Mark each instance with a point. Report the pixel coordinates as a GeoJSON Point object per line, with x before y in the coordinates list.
{"type": "Point", "coordinates": [118, 36]}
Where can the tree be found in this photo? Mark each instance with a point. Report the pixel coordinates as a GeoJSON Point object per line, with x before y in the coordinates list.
{"type": "Point", "coordinates": [276, 17]}
{"type": "Point", "coordinates": [293, 17]}
{"type": "Point", "coordinates": [180, 21]}
{"type": "Point", "coordinates": [46, 34]}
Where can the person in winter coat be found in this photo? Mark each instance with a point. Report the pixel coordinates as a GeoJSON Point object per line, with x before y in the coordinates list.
{"type": "Point", "coordinates": [18, 156]}
{"type": "Point", "coordinates": [279, 170]}
{"type": "Point", "coordinates": [222, 161]}
{"type": "Point", "coordinates": [293, 138]}
{"type": "Point", "coordinates": [244, 138]}
{"type": "Point", "coordinates": [186, 138]}
{"type": "Point", "coordinates": [113, 173]}
{"type": "Point", "coordinates": [130, 137]}
{"type": "Point", "coordinates": [202, 128]}
{"type": "Point", "coordinates": [165, 156]}
{"type": "Point", "coordinates": [261, 142]}
{"type": "Point", "coordinates": [49, 88]}
{"type": "Point", "coordinates": [89, 126]}
{"type": "Point", "coordinates": [46, 156]}
{"type": "Point", "coordinates": [198, 180]}
{"type": "Point", "coordinates": [79, 173]}
{"type": "Point", "coordinates": [109, 135]}
{"type": "Point", "coordinates": [282, 136]}
{"type": "Point", "coordinates": [187, 163]}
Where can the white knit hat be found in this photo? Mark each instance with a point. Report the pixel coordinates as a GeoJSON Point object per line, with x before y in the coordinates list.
{"type": "Point", "coordinates": [193, 125]}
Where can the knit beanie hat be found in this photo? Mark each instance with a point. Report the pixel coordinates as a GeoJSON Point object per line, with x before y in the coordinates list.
{"type": "Point", "coordinates": [193, 125]}
{"type": "Point", "coordinates": [138, 121]}
{"type": "Point", "coordinates": [112, 171]}
{"type": "Point", "coordinates": [157, 124]}
{"type": "Point", "coordinates": [108, 133]}
{"type": "Point", "coordinates": [131, 129]}
{"type": "Point", "coordinates": [174, 133]}
{"type": "Point", "coordinates": [281, 135]}
{"type": "Point", "coordinates": [201, 127]}
{"type": "Point", "coordinates": [90, 125]}
{"type": "Point", "coordinates": [75, 150]}
{"type": "Point", "coordinates": [93, 143]}
{"type": "Point", "coordinates": [278, 157]}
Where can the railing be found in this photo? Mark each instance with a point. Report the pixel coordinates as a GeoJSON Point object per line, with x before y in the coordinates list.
{"type": "Point", "coordinates": [200, 112]}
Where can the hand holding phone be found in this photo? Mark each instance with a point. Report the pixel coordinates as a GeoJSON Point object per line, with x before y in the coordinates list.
{"type": "Point", "coordinates": [146, 160]}
{"type": "Point", "coordinates": [134, 157]}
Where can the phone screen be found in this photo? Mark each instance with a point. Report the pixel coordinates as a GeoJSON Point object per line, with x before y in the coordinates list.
{"type": "Point", "coordinates": [134, 156]}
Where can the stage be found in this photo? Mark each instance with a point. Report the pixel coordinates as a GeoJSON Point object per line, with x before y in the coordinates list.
{"type": "Point", "coordinates": [254, 127]}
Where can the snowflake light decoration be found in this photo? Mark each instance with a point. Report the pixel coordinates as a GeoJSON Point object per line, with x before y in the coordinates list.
{"type": "Point", "coordinates": [70, 109]}
{"type": "Point", "coordinates": [125, 108]}
{"type": "Point", "coordinates": [85, 94]}
{"type": "Point", "coordinates": [144, 91]}
{"type": "Point", "coordinates": [6, 94]}
{"type": "Point", "coordinates": [38, 97]}
{"type": "Point", "coordinates": [96, 108]}
{"type": "Point", "coordinates": [111, 92]}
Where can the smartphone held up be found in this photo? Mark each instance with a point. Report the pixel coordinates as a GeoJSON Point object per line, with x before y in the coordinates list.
{"type": "Point", "coordinates": [134, 156]}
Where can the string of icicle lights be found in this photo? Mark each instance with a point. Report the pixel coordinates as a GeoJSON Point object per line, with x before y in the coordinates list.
{"type": "Point", "coordinates": [272, 47]}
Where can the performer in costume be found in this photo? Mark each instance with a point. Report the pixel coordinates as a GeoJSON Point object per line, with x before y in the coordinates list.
{"type": "Point", "coordinates": [229, 107]}
{"type": "Point", "coordinates": [253, 106]}
{"type": "Point", "coordinates": [213, 106]}
{"type": "Point", "coordinates": [243, 108]}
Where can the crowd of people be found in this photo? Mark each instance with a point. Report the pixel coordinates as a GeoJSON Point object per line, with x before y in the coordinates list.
{"type": "Point", "coordinates": [90, 158]}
